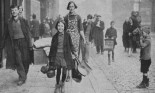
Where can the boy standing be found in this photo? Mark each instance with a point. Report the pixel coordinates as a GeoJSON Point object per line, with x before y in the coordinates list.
{"type": "Point", "coordinates": [145, 57]}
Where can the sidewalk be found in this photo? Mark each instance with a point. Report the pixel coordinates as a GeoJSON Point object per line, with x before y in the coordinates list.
{"type": "Point", "coordinates": [37, 82]}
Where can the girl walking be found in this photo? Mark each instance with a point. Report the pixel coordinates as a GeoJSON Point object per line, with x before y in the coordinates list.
{"type": "Point", "coordinates": [61, 54]}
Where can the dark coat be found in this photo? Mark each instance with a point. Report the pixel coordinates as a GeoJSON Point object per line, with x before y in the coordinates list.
{"type": "Point", "coordinates": [111, 32]}
{"type": "Point", "coordinates": [88, 30]}
{"type": "Point", "coordinates": [8, 42]}
{"type": "Point", "coordinates": [98, 34]}
{"type": "Point", "coordinates": [125, 36]}
{"type": "Point", "coordinates": [67, 48]}
{"type": "Point", "coordinates": [35, 28]}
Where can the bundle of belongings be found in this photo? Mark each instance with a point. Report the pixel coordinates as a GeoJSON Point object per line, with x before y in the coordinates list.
{"type": "Point", "coordinates": [44, 43]}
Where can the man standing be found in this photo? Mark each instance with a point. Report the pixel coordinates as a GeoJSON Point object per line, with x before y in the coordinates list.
{"type": "Point", "coordinates": [98, 34]}
{"type": "Point", "coordinates": [35, 28]}
{"type": "Point", "coordinates": [88, 36]}
{"type": "Point", "coordinates": [17, 40]}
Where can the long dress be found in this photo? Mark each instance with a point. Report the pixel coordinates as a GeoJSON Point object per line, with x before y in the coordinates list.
{"type": "Point", "coordinates": [125, 36]}
{"type": "Point", "coordinates": [74, 26]}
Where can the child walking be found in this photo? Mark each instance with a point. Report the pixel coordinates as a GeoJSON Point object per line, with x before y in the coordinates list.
{"type": "Point", "coordinates": [145, 56]}
{"type": "Point", "coordinates": [112, 34]}
{"type": "Point", "coordinates": [61, 54]}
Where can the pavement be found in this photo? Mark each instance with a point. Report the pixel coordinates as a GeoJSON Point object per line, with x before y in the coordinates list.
{"type": "Point", "coordinates": [122, 76]}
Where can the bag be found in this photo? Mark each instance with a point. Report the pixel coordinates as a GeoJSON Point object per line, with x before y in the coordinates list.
{"type": "Point", "coordinates": [50, 66]}
{"type": "Point", "coordinates": [44, 69]}
{"type": "Point", "coordinates": [76, 76]}
{"type": "Point", "coordinates": [82, 67]}
{"type": "Point", "coordinates": [51, 73]}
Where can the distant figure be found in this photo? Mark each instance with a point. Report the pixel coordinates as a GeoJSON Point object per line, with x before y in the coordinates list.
{"type": "Point", "coordinates": [42, 28]}
{"type": "Point", "coordinates": [112, 34]}
{"type": "Point", "coordinates": [136, 23]}
{"type": "Point", "coordinates": [35, 28]}
{"type": "Point", "coordinates": [47, 30]}
{"type": "Point", "coordinates": [126, 34]}
{"type": "Point", "coordinates": [98, 34]}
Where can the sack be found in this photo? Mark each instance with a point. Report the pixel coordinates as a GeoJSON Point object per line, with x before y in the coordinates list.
{"type": "Point", "coordinates": [50, 66]}
{"type": "Point", "coordinates": [76, 76]}
{"type": "Point", "coordinates": [44, 69]}
{"type": "Point", "coordinates": [51, 73]}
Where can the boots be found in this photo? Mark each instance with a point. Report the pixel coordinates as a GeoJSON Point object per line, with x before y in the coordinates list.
{"type": "Point", "coordinates": [147, 82]}
{"type": "Point", "coordinates": [144, 83]}
{"type": "Point", "coordinates": [141, 85]}
{"type": "Point", "coordinates": [57, 88]}
{"type": "Point", "coordinates": [62, 87]}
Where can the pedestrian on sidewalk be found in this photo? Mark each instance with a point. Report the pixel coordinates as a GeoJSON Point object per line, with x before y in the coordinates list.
{"type": "Point", "coordinates": [35, 28]}
{"type": "Point", "coordinates": [61, 52]}
{"type": "Point", "coordinates": [126, 36]}
{"type": "Point", "coordinates": [145, 56]}
{"type": "Point", "coordinates": [136, 24]}
{"type": "Point", "coordinates": [88, 36]}
{"type": "Point", "coordinates": [111, 33]}
{"type": "Point", "coordinates": [17, 40]}
{"type": "Point", "coordinates": [75, 29]}
{"type": "Point", "coordinates": [98, 34]}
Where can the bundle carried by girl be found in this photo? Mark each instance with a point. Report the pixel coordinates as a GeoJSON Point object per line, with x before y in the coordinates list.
{"type": "Point", "coordinates": [49, 70]}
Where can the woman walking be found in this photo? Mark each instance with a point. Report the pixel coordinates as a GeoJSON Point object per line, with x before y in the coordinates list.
{"type": "Point", "coordinates": [74, 28]}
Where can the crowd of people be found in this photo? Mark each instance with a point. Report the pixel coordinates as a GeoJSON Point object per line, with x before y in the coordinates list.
{"type": "Point", "coordinates": [72, 36]}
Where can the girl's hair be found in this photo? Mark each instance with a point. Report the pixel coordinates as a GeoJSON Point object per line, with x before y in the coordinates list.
{"type": "Point", "coordinates": [60, 21]}
{"type": "Point", "coordinates": [71, 3]}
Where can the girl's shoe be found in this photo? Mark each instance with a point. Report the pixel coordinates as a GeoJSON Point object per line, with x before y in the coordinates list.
{"type": "Point", "coordinates": [57, 88]}
{"type": "Point", "coordinates": [62, 89]}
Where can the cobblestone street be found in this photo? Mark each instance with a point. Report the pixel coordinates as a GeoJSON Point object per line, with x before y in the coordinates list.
{"type": "Point", "coordinates": [122, 76]}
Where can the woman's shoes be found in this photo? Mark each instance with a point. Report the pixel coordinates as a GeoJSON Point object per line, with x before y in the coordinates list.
{"type": "Point", "coordinates": [62, 87]}
{"type": "Point", "coordinates": [57, 88]}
